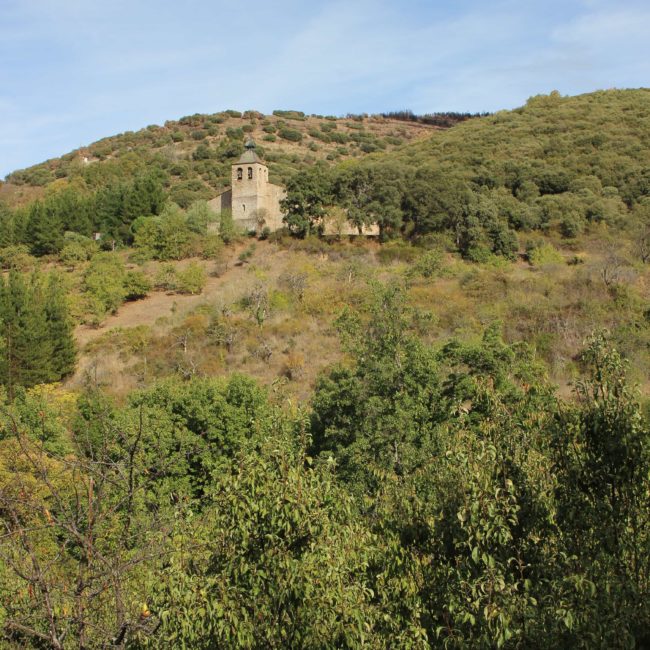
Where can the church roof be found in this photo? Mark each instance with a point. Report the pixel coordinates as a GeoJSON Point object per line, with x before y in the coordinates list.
{"type": "Point", "coordinates": [249, 156]}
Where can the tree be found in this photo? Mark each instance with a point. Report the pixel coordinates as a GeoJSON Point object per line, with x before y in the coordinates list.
{"type": "Point", "coordinates": [381, 413]}
{"type": "Point", "coordinates": [60, 330]}
{"type": "Point", "coordinates": [45, 229]}
{"type": "Point", "coordinates": [276, 561]}
{"type": "Point", "coordinates": [28, 342]}
{"type": "Point", "coordinates": [104, 283]}
{"type": "Point", "coordinates": [308, 194]}
{"type": "Point", "coordinates": [372, 194]}
{"type": "Point", "coordinates": [601, 457]}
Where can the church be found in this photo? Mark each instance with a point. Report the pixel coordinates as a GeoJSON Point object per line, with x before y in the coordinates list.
{"type": "Point", "coordinates": [255, 203]}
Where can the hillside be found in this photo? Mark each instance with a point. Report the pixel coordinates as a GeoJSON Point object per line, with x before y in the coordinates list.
{"type": "Point", "coordinates": [196, 151]}
{"type": "Point", "coordinates": [552, 141]}
{"type": "Point", "coordinates": [537, 218]}
{"type": "Point", "coordinates": [436, 438]}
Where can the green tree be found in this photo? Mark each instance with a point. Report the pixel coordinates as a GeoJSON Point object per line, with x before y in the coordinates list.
{"type": "Point", "coordinates": [103, 282]}
{"type": "Point", "coordinates": [380, 414]}
{"type": "Point", "coordinates": [45, 229]}
{"type": "Point", "coordinates": [308, 194]}
{"type": "Point", "coordinates": [602, 460]}
{"type": "Point", "coordinates": [60, 330]}
{"type": "Point", "coordinates": [372, 194]}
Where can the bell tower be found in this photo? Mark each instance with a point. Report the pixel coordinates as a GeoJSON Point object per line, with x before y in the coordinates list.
{"type": "Point", "coordinates": [250, 178]}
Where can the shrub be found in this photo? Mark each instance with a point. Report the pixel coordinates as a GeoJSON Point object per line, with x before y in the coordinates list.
{"type": "Point", "coordinates": [290, 115]}
{"type": "Point", "coordinates": [166, 278]}
{"type": "Point", "coordinates": [136, 285]}
{"type": "Point", "coordinates": [429, 264]}
{"type": "Point", "coordinates": [104, 283]}
{"type": "Point", "coordinates": [73, 253]}
{"type": "Point", "coordinates": [544, 254]}
{"type": "Point", "coordinates": [212, 247]}
{"type": "Point", "coordinates": [290, 134]}
{"type": "Point", "coordinates": [396, 252]}
{"type": "Point", "coordinates": [191, 279]}
{"type": "Point", "coordinates": [16, 257]}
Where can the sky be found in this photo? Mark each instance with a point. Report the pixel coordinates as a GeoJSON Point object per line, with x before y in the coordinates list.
{"type": "Point", "coordinates": [74, 71]}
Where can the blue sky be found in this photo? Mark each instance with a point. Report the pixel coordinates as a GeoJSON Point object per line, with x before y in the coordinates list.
{"type": "Point", "coordinates": [74, 71]}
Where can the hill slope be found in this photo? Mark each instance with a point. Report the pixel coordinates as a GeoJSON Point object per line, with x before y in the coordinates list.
{"type": "Point", "coordinates": [196, 151]}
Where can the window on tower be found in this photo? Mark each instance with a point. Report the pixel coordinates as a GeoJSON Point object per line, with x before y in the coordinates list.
{"type": "Point", "coordinates": [240, 173]}
{"type": "Point", "coordinates": [250, 172]}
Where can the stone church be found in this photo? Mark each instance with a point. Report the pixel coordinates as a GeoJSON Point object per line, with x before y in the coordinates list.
{"type": "Point", "coordinates": [255, 203]}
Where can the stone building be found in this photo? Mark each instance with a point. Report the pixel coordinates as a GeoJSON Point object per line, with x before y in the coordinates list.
{"type": "Point", "coordinates": [255, 203]}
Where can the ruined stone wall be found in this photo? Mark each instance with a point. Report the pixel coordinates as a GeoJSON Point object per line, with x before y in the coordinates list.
{"type": "Point", "coordinates": [273, 216]}
{"type": "Point", "coordinates": [221, 202]}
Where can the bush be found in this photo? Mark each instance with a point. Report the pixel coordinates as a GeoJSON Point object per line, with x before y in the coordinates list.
{"type": "Point", "coordinates": [73, 253]}
{"type": "Point", "coordinates": [191, 279]}
{"type": "Point", "coordinates": [290, 115]}
{"type": "Point", "coordinates": [166, 278]}
{"type": "Point", "coordinates": [543, 254]}
{"type": "Point", "coordinates": [212, 247]}
{"type": "Point", "coordinates": [136, 285]}
{"type": "Point", "coordinates": [429, 265]}
{"type": "Point", "coordinates": [397, 252]}
{"type": "Point", "coordinates": [104, 283]}
{"type": "Point", "coordinates": [290, 134]}
{"type": "Point", "coordinates": [16, 257]}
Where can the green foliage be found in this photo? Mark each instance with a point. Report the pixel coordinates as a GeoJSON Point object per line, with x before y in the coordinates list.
{"type": "Point", "coordinates": [290, 134]}
{"type": "Point", "coordinates": [136, 285]}
{"type": "Point", "coordinates": [307, 196]}
{"type": "Point", "coordinates": [16, 257]}
{"type": "Point", "coordinates": [602, 459]}
{"type": "Point", "coordinates": [170, 235]}
{"type": "Point", "coordinates": [227, 230]}
{"type": "Point", "coordinates": [454, 501]}
{"type": "Point", "coordinates": [191, 279]}
{"type": "Point", "coordinates": [289, 115]}
{"type": "Point", "coordinates": [103, 282]}
{"type": "Point", "coordinates": [37, 345]}
{"type": "Point", "coordinates": [543, 253]}
{"type": "Point", "coordinates": [380, 414]}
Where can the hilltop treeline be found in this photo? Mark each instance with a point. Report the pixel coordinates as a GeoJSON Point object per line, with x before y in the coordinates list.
{"type": "Point", "coordinates": [427, 497]}
{"type": "Point", "coordinates": [445, 119]}
{"type": "Point", "coordinates": [195, 151]}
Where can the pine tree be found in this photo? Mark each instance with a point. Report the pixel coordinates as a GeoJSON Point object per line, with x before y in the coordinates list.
{"type": "Point", "coordinates": [7, 229]}
{"type": "Point", "coordinates": [45, 230]}
{"type": "Point", "coordinates": [33, 343]}
{"type": "Point", "coordinates": [13, 299]}
{"type": "Point", "coordinates": [59, 330]}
